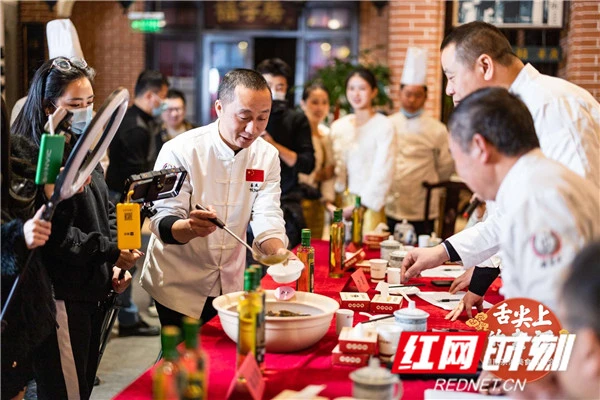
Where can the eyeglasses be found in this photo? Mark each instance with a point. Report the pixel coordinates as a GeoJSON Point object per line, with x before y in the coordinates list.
{"type": "Point", "coordinates": [67, 64]}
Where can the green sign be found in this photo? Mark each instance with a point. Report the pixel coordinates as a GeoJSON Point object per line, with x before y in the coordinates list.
{"type": "Point", "coordinates": [539, 54]}
{"type": "Point", "coordinates": [147, 25]}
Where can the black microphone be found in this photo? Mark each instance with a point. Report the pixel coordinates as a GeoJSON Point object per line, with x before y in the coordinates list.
{"type": "Point", "coordinates": [471, 207]}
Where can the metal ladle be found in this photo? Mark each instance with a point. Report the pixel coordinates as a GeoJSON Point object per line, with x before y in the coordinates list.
{"type": "Point", "coordinates": [267, 260]}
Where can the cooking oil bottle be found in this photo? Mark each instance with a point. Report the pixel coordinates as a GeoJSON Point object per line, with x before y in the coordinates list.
{"type": "Point", "coordinates": [167, 378]}
{"type": "Point", "coordinates": [261, 301]}
{"type": "Point", "coordinates": [357, 223]}
{"type": "Point", "coordinates": [336, 246]}
{"type": "Point", "coordinates": [248, 314]}
{"type": "Point", "coordinates": [306, 254]}
{"type": "Point", "coordinates": [193, 359]}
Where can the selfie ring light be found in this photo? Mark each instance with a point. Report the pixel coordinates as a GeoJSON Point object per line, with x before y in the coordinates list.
{"type": "Point", "coordinates": [90, 147]}
{"type": "Point", "coordinates": [81, 162]}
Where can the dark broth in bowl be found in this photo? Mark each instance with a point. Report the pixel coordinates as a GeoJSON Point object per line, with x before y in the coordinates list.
{"type": "Point", "coordinates": [288, 309]}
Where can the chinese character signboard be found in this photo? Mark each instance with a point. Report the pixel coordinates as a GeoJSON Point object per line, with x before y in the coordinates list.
{"type": "Point", "coordinates": [539, 54]}
{"type": "Point", "coordinates": [280, 15]}
{"type": "Point", "coordinates": [510, 13]}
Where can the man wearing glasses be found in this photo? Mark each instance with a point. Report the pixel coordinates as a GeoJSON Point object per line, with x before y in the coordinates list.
{"type": "Point", "coordinates": [173, 116]}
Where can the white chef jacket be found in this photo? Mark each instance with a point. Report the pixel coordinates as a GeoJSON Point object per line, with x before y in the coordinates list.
{"type": "Point", "coordinates": [242, 188]}
{"type": "Point", "coordinates": [567, 123]}
{"type": "Point", "coordinates": [365, 157]}
{"type": "Point", "coordinates": [323, 159]}
{"type": "Point", "coordinates": [550, 213]}
{"type": "Point", "coordinates": [422, 155]}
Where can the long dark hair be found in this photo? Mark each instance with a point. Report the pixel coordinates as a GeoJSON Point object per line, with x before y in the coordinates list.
{"type": "Point", "coordinates": [48, 84]}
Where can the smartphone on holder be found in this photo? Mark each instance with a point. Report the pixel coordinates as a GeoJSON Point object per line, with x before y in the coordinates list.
{"type": "Point", "coordinates": [444, 282]}
{"type": "Point", "coordinates": [154, 185]}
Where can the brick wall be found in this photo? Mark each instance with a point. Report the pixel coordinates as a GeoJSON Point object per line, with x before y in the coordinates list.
{"type": "Point", "coordinates": [581, 46]}
{"type": "Point", "coordinates": [116, 53]}
{"type": "Point", "coordinates": [373, 31]}
{"type": "Point", "coordinates": [421, 24]}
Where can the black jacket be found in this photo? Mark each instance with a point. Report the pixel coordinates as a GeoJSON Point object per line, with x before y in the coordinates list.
{"type": "Point", "coordinates": [133, 149]}
{"type": "Point", "coordinates": [291, 129]}
{"type": "Point", "coordinates": [79, 258]}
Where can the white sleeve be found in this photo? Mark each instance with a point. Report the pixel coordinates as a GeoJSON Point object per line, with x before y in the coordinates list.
{"type": "Point", "coordinates": [570, 134]}
{"type": "Point", "coordinates": [382, 169]}
{"type": "Point", "coordinates": [476, 244]}
{"type": "Point", "coordinates": [539, 243]}
{"type": "Point", "coordinates": [178, 206]}
{"type": "Point", "coordinates": [267, 217]}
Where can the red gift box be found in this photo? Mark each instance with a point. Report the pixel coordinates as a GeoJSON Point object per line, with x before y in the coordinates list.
{"type": "Point", "coordinates": [354, 259]}
{"type": "Point", "coordinates": [355, 301]}
{"type": "Point", "coordinates": [379, 305]}
{"type": "Point", "coordinates": [364, 344]}
{"type": "Point", "coordinates": [352, 360]}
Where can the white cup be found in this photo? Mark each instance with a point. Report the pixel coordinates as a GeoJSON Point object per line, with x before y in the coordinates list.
{"type": "Point", "coordinates": [424, 240]}
{"type": "Point", "coordinates": [388, 337]}
{"type": "Point", "coordinates": [378, 268]}
{"type": "Point", "coordinates": [393, 275]}
{"type": "Point", "coordinates": [343, 318]}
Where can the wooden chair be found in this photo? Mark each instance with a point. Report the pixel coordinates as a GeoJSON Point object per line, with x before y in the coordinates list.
{"type": "Point", "coordinates": [449, 205]}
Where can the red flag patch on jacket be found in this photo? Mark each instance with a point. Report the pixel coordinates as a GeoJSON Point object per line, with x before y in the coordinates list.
{"type": "Point", "coordinates": [255, 175]}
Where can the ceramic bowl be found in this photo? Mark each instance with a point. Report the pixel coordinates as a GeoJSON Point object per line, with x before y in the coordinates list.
{"type": "Point", "coordinates": [283, 334]}
{"type": "Point", "coordinates": [286, 273]}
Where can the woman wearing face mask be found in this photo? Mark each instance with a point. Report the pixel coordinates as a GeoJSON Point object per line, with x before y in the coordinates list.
{"type": "Point", "coordinates": [319, 183]}
{"type": "Point", "coordinates": [363, 150]}
{"type": "Point", "coordinates": [82, 259]}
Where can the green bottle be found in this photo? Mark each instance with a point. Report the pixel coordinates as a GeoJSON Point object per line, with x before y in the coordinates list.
{"type": "Point", "coordinates": [336, 246]}
{"type": "Point", "coordinates": [261, 301]}
{"type": "Point", "coordinates": [167, 377]}
{"type": "Point", "coordinates": [248, 315]}
{"type": "Point", "coordinates": [193, 359]}
{"type": "Point", "coordinates": [357, 223]}
{"type": "Point", "coordinates": [306, 254]}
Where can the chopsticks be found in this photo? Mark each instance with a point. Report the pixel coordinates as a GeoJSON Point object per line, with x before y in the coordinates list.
{"type": "Point", "coordinates": [446, 300]}
{"type": "Point", "coordinates": [378, 319]}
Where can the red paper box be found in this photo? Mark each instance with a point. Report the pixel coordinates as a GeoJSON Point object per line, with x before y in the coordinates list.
{"type": "Point", "coordinates": [355, 301]}
{"type": "Point", "coordinates": [354, 259]}
{"type": "Point", "coordinates": [373, 239]}
{"type": "Point", "coordinates": [365, 344]}
{"type": "Point", "coordinates": [379, 305]}
{"type": "Point", "coordinates": [352, 360]}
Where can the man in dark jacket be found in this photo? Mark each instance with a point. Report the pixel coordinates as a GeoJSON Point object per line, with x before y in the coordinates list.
{"type": "Point", "coordinates": [133, 151]}
{"type": "Point", "coordinates": [289, 131]}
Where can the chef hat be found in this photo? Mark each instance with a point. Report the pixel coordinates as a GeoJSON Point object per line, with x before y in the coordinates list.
{"type": "Point", "coordinates": [415, 67]}
{"type": "Point", "coordinates": [62, 39]}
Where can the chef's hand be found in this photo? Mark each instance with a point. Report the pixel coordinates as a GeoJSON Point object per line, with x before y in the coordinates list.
{"type": "Point", "coordinates": [36, 231]}
{"type": "Point", "coordinates": [199, 222]}
{"type": "Point", "coordinates": [462, 282]}
{"type": "Point", "coordinates": [469, 301]}
{"type": "Point", "coordinates": [119, 285]}
{"type": "Point", "coordinates": [490, 384]}
{"type": "Point", "coordinates": [128, 258]}
{"type": "Point", "coordinates": [419, 259]}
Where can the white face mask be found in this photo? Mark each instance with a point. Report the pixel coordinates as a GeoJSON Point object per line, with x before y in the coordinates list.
{"type": "Point", "coordinates": [279, 96]}
{"type": "Point", "coordinates": [81, 119]}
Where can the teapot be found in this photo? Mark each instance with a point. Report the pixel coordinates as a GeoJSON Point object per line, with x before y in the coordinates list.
{"type": "Point", "coordinates": [376, 383]}
{"type": "Point", "coordinates": [405, 233]}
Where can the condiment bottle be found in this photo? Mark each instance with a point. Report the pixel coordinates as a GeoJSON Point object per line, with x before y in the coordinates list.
{"type": "Point", "coordinates": [306, 254]}
{"type": "Point", "coordinates": [336, 246]}
{"type": "Point", "coordinates": [357, 223]}
{"type": "Point", "coordinates": [248, 315]}
{"type": "Point", "coordinates": [167, 381]}
{"type": "Point", "coordinates": [193, 359]}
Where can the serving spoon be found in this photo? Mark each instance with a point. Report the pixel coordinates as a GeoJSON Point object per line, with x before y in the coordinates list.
{"type": "Point", "coordinates": [267, 260]}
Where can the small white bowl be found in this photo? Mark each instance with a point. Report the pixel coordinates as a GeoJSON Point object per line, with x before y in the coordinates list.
{"type": "Point", "coordinates": [286, 273]}
{"type": "Point", "coordinates": [283, 334]}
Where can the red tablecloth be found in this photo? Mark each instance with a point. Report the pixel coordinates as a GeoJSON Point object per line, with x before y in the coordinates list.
{"type": "Point", "coordinates": [311, 366]}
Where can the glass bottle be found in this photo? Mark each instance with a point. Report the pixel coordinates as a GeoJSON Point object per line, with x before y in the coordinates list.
{"type": "Point", "coordinates": [193, 359]}
{"type": "Point", "coordinates": [357, 223]}
{"type": "Point", "coordinates": [248, 314]}
{"type": "Point", "coordinates": [336, 246]}
{"type": "Point", "coordinates": [167, 377]}
{"type": "Point", "coordinates": [261, 301]}
{"type": "Point", "coordinates": [306, 254]}
{"type": "Point", "coordinates": [195, 389]}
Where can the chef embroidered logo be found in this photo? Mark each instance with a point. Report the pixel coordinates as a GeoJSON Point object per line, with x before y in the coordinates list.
{"type": "Point", "coordinates": [546, 246]}
{"type": "Point", "coordinates": [517, 339]}
{"type": "Point", "coordinates": [255, 177]}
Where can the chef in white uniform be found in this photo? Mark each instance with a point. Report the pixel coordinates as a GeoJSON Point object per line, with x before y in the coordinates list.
{"type": "Point", "coordinates": [566, 118]}
{"type": "Point", "coordinates": [422, 153]}
{"type": "Point", "coordinates": [549, 212]}
{"type": "Point", "coordinates": [189, 261]}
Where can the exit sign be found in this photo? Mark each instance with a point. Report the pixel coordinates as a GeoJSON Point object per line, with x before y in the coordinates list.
{"type": "Point", "coordinates": [147, 22]}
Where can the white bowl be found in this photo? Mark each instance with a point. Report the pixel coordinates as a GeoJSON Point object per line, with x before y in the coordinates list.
{"type": "Point", "coordinates": [283, 334]}
{"type": "Point", "coordinates": [286, 273]}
